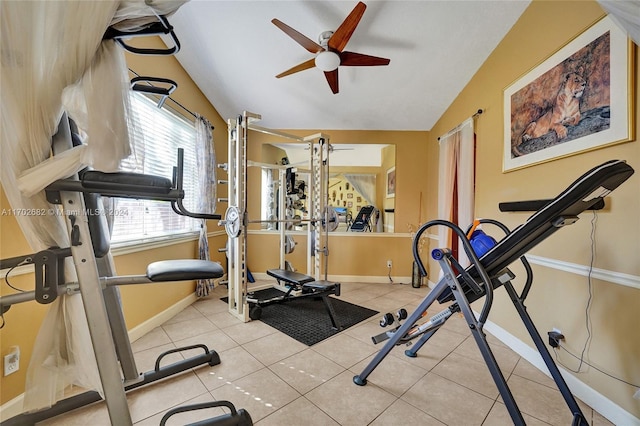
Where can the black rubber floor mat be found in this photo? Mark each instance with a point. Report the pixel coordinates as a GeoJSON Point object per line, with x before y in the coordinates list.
{"type": "Point", "coordinates": [307, 320]}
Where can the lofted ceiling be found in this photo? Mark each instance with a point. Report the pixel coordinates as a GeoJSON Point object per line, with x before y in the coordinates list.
{"type": "Point", "coordinates": [233, 52]}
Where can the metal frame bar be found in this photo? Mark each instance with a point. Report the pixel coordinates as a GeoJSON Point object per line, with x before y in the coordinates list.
{"type": "Point", "coordinates": [117, 323]}
{"type": "Point", "coordinates": [236, 167]}
{"type": "Point", "coordinates": [282, 215]}
{"type": "Point", "coordinates": [578, 416]}
{"type": "Point", "coordinates": [268, 131]}
{"type": "Point", "coordinates": [91, 292]}
{"type": "Point", "coordinates": [476, 328]}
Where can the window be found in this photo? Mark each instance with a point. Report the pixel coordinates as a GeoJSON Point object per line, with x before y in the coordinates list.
{"type": "Point", "coordinates": [155, 139]}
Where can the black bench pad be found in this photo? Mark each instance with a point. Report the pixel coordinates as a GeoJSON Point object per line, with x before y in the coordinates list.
{"type": "Point", "coordinates": [323, 285]}
{"type": "Point", "coordinates": [583, 194]}
{"type": "Point", "coordinates": [96, 180]}
{"type": "Point", "coordinates": [183, 270]}
{"type": "Point", "coordinates": [290, 276]}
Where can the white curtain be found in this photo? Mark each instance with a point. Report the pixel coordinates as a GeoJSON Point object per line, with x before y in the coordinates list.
{"type": "Point", "coordinates": [626, 14]}
{"type": "Point", "coordinates": [37, 65]}
{"type": "Point", "coordinates": [52, 52]}
{"type": "Point", "coordinates": [366, 185]}
{"type": "Point", "coordinates": [133, 15]}
{"type": "Point", "coordinates": [456, 166]}
{"type": "Point", "coordinates": [206, 164]}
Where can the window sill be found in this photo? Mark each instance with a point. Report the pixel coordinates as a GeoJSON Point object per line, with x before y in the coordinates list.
{"type": "Point", "coordinates": [128, 247]}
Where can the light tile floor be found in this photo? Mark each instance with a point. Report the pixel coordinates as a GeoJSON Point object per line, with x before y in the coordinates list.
{"type": "Point", "coordinates": [280, 381]}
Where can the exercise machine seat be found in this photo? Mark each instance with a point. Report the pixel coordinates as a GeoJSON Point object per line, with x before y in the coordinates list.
{"type": "Point", "coordinates": [183, 270]}
{"type": "Point", "coordinates": [290, 276]}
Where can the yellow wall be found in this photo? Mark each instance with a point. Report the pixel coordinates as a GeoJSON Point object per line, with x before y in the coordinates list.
{"type": "Point", "coordinates": [557, 299]}
{"type": "Point", "coordinates": [23, 320]}
{"type": "Point", "coordinates": [361, 254]}
{"type": "Point", "coordinates": [388, 161]}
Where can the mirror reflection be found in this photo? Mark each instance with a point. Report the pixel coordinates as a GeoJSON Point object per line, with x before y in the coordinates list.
{"type": "Point", "coordinates": [361, 186]}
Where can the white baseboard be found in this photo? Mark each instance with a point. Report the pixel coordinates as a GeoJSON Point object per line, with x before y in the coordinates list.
{"type": "Point", "coordinates": [157, 320]}
{"type": "Point", "coordinates": [15, 406]}
{"type": "Point", "coordinates": [607, 408]}
{"type": "Point", "coordinates": [12, 408]}
{"type": "Point", "coordinates": [349, 278]}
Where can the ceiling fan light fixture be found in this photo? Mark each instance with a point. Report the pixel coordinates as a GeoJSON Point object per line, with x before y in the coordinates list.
{"type": "Point", "coordinates": [327, 61]}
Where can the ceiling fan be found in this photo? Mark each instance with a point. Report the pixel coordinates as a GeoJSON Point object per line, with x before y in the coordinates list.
{"type": "Point", "coordinates": [329, 50]}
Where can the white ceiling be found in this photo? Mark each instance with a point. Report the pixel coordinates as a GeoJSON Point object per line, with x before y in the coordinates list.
{"type": "Point", "coordinates": [233, 52]}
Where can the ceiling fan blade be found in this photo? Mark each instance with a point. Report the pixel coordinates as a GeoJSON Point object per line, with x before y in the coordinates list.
{"type": "Point", "coordinates": [352, 59]}
{"type": "Point", "coordinates": [301, 39]}
{"type": "Point", "coordinates": [300, 67]}
{"type": "Point", "coordinates": [332, 79]}
{"type": "Point", "coordinates": [341, 37]}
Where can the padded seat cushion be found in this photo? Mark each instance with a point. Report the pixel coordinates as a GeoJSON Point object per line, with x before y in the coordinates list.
{"type": "Point", "coordinates": [290, 276]}
{"type": "Point", "coordinates": [183, 270]}
{"type": "Point", "coordinates": [322, 286]}
{"type": "Point", "coordinates": [319, 285]}
{"type": "Point", "coordinates": [93, 179]}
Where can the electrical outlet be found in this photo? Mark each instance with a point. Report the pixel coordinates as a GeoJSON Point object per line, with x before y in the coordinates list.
{"type": "Point", "coordinates": [389, 263]}
{"type": "Point", "coordinates": [12, 361]}
{"type": "Point", "coordinates": [637, 394]}
{"type": "Point", "coordinates": [555, 336]}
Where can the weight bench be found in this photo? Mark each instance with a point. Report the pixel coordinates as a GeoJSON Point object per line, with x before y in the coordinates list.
{"type": "Point", "coordinates": [304, 286]}
{"type": "Point", "coordinates": [463, 286]}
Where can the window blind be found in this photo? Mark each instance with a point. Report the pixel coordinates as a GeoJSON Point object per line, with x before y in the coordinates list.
{"type": "Point", "coordinates": [156, 135]}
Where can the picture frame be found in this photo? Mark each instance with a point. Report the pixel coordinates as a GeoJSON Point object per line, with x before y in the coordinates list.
{"type": "Point", "coordinates": [391, 182]}
{"type": "Point", "coordinates": [577, 100]}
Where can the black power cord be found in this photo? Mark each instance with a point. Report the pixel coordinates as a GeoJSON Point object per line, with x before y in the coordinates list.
{"type": "Point", "coordinates": [6, 280]}
{"type": "Point", "coordinates": [590, 365]}
{"type": "Point", "coordinates": [588, 324]}
{"type": "Point", "coordinates": [6, 276]}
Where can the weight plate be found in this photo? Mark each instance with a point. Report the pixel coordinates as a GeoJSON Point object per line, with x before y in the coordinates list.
{"type": "Point", "coordinates": [232, 221]}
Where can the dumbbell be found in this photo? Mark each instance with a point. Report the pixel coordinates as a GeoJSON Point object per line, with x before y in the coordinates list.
{"type": "Point", "coordinates": [388, 318]}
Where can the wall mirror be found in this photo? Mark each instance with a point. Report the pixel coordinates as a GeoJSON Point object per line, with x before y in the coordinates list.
{"type": "Point", "coordinates": [361, 175]}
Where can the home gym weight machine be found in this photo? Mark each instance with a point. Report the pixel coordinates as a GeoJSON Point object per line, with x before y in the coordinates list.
{"type": "Point", "coordinates": [236, 222]}
{"type": "Point", "coordinates": [80, 201]}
